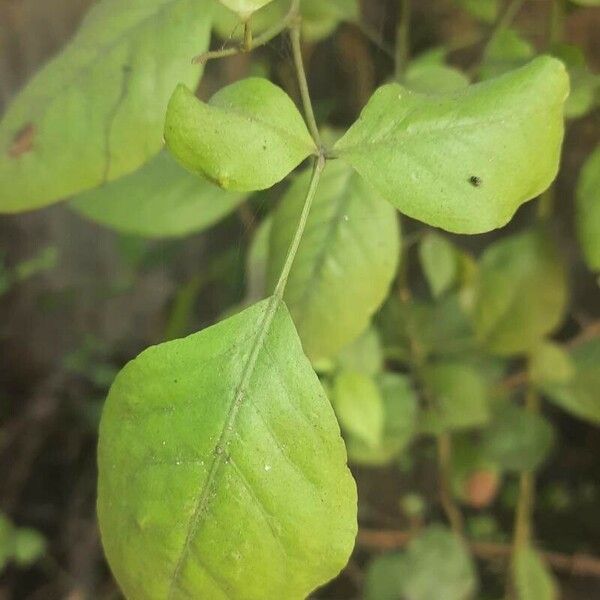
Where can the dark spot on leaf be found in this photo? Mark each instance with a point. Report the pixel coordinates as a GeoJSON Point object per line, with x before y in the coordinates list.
{"type": "Point", "coordinates": [475, 181]}
{"type": "Point", "coordinates": [22, 141]}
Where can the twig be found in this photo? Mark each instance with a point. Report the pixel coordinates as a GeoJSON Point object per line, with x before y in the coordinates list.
{"type": "Point", "coordinates": [373, 36]}
{"type": "Point", "coordinates": [403, 37]}
{"type": "Point", "coordinates": [302, 81]}
{"type": "Point", "coordinates": [577, 564]}
{"type": "Point", "coordinates": [444, 448]}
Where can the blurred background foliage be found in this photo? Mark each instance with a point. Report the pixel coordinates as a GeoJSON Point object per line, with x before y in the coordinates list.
{"type": "Point", "coordinates": [481, 369]}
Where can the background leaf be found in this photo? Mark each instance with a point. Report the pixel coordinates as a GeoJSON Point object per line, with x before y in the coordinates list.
{"type": "Point", "coordinates": [521, 293]}
{"type": "Point", "coordinates": [533, 581]}
{"type": "Point", "coordinates": [221, 467]}
{"type": "Point", "coordinates": [359, 406]}
{"type": "Point", "coordinates": [464, 161]}
{"type": "Point", "coordinates": [588, 210]}
{"type": "Point", "coordinates": [346, 260]}
{"type": "Point", "coordinates": [248, 137]}
{"type": "Point", "coordinates": [440, 262]}
{"type": "Point", "coordinates": [400, 416]}
{"type": "Point", "coordinates": [459, 396]}
{"type": "Point", "coordinates": [517, 440]}
{"type": "Point", "coordinates": [88, 117]}
{"type": "Point", "coordinates": [580, 396]}
{"type": "Point", "coordinates": [159, 200]}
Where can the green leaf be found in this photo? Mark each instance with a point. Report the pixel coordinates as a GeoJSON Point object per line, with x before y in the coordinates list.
{"type": "Point", "coordinates": [96, 111]}
{"type": "Point", "coordinates": [244, 8]}
{"type": "Point", "coordinates": [533, 580]}
{"type": "Point", "coordinates": [364, 354]}
{"type": "Point", "coordinates": [586, 2]}
{"type": "Point", "coordinates": [428, 74]}
{"type": "Point", "coordinates": [160, 200]}
{"type": "Point", "coordinates": [440, 262]}
{"type": "Point", "coordinates": [517, 440]}
{"type": "Point", "coordinates": [580, 396]}
{"type": "Point", "coordinates": [507, 50]}
{"type": "Point", "coordinates": [459, 395]}
{"type": "Point", "coordinates": [484, 10]}
{"type": "Point", "coordinates": [549, 363]}
{"type": "Point", "coordinates": [222, 472]}
{"type": "Point", "coordinates": [385, 577]}
{"type": "Point", "coordinates": [463, 161]}
{"type": "Point", "coordinates": [359, 406]}
{"type": "Point", "coordinates": [585, 85]}
{"type": "Point", "coordinates": [588, 210]}
{"type": "Point", "coordinates": [257, 262]}
{"type": "Point", "coordinates": [248, 137]}
{"type": "Point", "coordinates": [438, 551]}
{"type": "Point", "coordinates": [400, 413]}
{"type": "Point", "coordinates": [346, 261]}
{"type": "Point", "coordinates": [521, 294]}
{"type": "Point", "coordinates": [29, 546]}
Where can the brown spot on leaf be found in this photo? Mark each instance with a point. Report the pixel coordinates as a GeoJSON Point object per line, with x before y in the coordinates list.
{"type": "Point", "coordinates": [22, 141]}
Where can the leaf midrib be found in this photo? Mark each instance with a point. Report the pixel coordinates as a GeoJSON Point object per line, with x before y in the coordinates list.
{"type": "Point", "coordinates": [227, 431]}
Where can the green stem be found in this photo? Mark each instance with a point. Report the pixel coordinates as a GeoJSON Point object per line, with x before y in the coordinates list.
{"type": "Point", "coordinates": [507, 17]}
{"type": "Point", "coordinates": [247, 36]}
{"type": "Point", "coordinates": [557, 22]}
{"type": "Point", "coordinates": [455, 518]}
{"type": "Point", "coordinates": [524, 510]}
{"type": "Point", "coordinates": [403, 37]}
{"type": "Point", "coordinates": [289, 261]}
{"type": "Point", "coordinates": [261, 40]}
{"type": "Point", "coordinates": [303, 83]}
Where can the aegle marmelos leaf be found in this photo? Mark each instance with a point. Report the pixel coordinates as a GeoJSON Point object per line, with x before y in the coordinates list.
{"type": "Point", "coordinates": [157, 201]}
{"type": "Point", "coordinates": [463, 161]}
{"type": "Point", "coordinates": [96, 111]}
{"type": "Point", "coordinates": [588, 210]}
{"type": "Point", "coordinates": [248, 137]}
{"type": "Point", "coordinates": [346, 261]}
{"type": "Point", "coordinates": [222, 473]}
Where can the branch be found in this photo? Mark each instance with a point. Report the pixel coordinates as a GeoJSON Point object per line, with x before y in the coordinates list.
{"type": "Point", "coordinates": [382, 540]}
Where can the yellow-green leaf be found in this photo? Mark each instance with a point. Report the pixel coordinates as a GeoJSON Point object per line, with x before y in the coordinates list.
{"type": "Point", "coordinates": [463, 161]}
{"type": "Point", "coordinates": [248, 137]}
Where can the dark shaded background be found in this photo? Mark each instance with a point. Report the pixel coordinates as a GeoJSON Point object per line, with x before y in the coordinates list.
{"type": "Point", "coordinates": [66, 331]}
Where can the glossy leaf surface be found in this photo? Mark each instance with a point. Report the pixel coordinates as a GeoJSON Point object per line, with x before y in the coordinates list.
{"type": "Point", "coordinates": [463, 161]}
{"type": "Point", "coordinates": [248, 137]}
{"type": "Point", "coordinates": [222, 473]}
{"type": "Point", "coordinates": [96, 111]}
{"type": "Point", "coordinates": [346, 261]}
{"type": "Point", "coordinates": [159, 200]}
